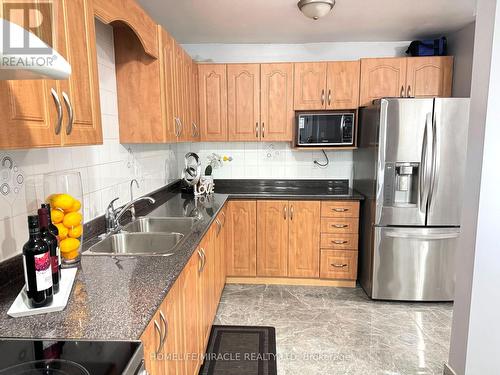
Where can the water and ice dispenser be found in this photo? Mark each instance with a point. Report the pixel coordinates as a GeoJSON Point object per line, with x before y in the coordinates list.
{"type": "Point", "coordinates": [401, 184]}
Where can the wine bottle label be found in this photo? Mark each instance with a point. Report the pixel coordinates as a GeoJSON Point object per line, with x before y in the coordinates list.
{"type": "Point", "coordinates": [43, 272]}
{"type": "Point", "coordinates": [25, 274]}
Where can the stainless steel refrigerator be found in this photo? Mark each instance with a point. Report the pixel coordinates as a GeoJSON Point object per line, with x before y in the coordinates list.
{"type": "Point", "coordinates": [410, 166]}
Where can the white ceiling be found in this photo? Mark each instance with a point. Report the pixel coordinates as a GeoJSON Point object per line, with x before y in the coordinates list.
{"type": "Point", "coordinates": [280, 21]}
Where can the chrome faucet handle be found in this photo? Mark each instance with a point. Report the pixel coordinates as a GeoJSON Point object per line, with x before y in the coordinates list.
{"type": "Point", "coordinates": [110, 215]}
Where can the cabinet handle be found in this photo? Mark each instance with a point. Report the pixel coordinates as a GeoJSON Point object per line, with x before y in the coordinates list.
{"type": "Point", "coordinates": [284, 212]}
{"type": "Point", "coordinates": [164, 324]}
{"type": "Point", "coordinates": [195, 129]}
{"type": "Point", "coordinates": [181, 127]}
{"type": "Point", "coordinates": [338, 242]}
{"type": "Point", "coordinates": [158, 329]}
{"type": "Point", "coordinates": [340, 209]}
{"type": "Point", "coordinates": [204, 259]}
{"type": "Point", "coordinates": [219, 225]}
{"type": "Point", "coordinates": [263, 128]}
{"type": "Point", "coordinates": [402, 92]}
{"type": "Point", "coordinates": [322, 96]}
{"type": "Point", "coordinates": [69, 107]}
{"type": "Point", "coordinates": [200, 264]}
{"type": "Point", "coordinates": [338, 265]}
{"type": "Point", "coordinates": [177, 126]}
{"type": "Point", "coordinates": [340, 225]}
{"type": "Point", "coordinates": [291, 213]}
{"type": "Point", "coordinates": [256, 130]}
{"type": "Point", "coordinates": [223, 214]}
{"type": "Point", "coordinates": [329, 96]}
{"type": "Point", "coordinates": [409, 91]}
{"type": "Point", "coordinates": [57, 101]}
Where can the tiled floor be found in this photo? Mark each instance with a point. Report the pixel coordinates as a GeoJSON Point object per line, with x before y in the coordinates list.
{"type": "Point", "coordinates": [321, 330]}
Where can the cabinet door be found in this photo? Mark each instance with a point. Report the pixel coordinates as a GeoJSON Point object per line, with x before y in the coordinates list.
{"type": "Point", "coordinates": [429, 76]}
{"type": "Point", "coordinates": [241, 252]}
{"type": "Point", "coordinates": [272, 238]}
{"type": "Point", "coordinates": [382, 78]}
{"type": "Point", "coordinates": [179, 91]}
{"type": "Point", "coordinates": [81, 91]}
{"type": "Point", "coordinates": [206, 284]}
{"type": "Point", "coordinates": [243, 102]}
{"type": "Point", "coordinates": [276, 98]}
{"type": "Point", "coordinates": [167, 72]}
{"type": "Point", "coordinates": [151, 340]}
{"type": "Point", "coordinates": [220, 263]}
{"type": "Point", "coordinates": [213, 102]}
{"type": "Point", "coordinates": [172, 331]}
{"type": "Point", "coordinates": [187, 113]}
{"type": "Point", "coordinates": [195, 112]}
{"type": "Point", "coordinates": [192, 315]}
{"type": "Point", "coordinates": [343, 85]}
{"type": "Point", "coordinates": [310, 86]}
{"type": "Point", "coordinates": [303, 248]}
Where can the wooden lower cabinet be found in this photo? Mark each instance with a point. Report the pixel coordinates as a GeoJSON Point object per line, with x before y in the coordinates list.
{"type": "Point", "coordinates": [241, 252]}
{"type": "Point", "coordinates": [303, 250]}
{"type": "Point", "coordinates": [339, 264]}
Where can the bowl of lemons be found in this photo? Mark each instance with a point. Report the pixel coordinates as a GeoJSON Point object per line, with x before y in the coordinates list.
{"type": "Point", "coordinates": [63, 191]}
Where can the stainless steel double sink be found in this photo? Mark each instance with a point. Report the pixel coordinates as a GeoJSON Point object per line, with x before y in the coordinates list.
{"type": "Point", "coordinates": [146, 236]}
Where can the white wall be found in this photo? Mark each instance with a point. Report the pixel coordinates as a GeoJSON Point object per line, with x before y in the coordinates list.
{"type": "Point", "coordinates": [233, 53]}
{"type": "Point", "coordinates": [106, 170]}
{"type": "Point", "coordinates": [475, 337]}
{"type": "Point", "coordinates": [461, 45]}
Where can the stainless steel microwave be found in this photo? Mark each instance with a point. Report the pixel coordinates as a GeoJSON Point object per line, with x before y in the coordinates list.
{"type": "Point", "coordinates": [325, 128]}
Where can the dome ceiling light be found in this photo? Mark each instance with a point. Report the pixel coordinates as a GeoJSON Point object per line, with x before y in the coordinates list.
{"type": "Point", "coordinates": [315, 8]}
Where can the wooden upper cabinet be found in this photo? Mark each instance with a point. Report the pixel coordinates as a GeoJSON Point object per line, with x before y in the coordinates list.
{"type": "Point", "coordinates": [29, 115]}
{"type": "Point", "coordinates": [272, 238]}
{"type": "Point", "coordinates": [276, 102]}
{"type": "Point", "coordinates": [81, 91]}
{"type": "Point", "coordinates": [385, 77]}
{"type": "Point", "coordinates": [429, 76]}
{"type": "Point", "coordinates": [310, 85]}
{"type": "Point", "coordinates": [130, 13]}
{"type": "Point", "coordinates": [304, 232]}
{"type": "Point", "coordinates": [243, 102]}
{"type": "Point", "coordinates": [241, 238]}
{"type": "Point", "coordinates": [195, 112]}
{"type": "Point", "coordinates": [166, 43]}
{"type": "Point", "coordinates": [343, 85]}
{"type": "Point", "coordinates": [212, 86]}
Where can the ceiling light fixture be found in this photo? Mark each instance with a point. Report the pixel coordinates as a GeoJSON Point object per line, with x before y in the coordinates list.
{"type": "Point", "coordinates": [316, 8]}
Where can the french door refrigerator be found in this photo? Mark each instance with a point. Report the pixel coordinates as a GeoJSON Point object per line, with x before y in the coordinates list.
{"type": "Point", "coordinates": [410, 165]}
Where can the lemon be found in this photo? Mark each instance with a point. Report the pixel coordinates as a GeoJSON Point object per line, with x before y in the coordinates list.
{"type": "Point", "coordinates": [75, 207]}
{"type": "Point", "coordinates": [57, 216]}
{"type": "Point", "coordinates": [75, 232]}
{"type": "Point", "coordinates": [63, 231]}
{"type": "Point", "coordinates": [62, 201]}
{"type": "Point", "coordinates": [72, 219]}
{"type": "Point", "coordinates": [69, 247]}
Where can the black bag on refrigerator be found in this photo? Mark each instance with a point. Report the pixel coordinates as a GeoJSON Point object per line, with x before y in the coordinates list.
{"type": "Point", "coordinates": [432, 47]}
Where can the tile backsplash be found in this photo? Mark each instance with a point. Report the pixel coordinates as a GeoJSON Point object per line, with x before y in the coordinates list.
{"type": "Point", "coordinates": [106, 169]}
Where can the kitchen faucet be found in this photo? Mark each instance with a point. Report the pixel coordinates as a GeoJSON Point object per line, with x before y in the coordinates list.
{"type": "Point", "coordinates": [113, 215]}
{"type": "Point", "coordinates": [132, 209]}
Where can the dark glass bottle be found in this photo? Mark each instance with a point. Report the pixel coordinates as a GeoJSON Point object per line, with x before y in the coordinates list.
{"type": "Point", "coordinates": [51, 241]}
{"type": "Point", "coordinates": [37, 266]}
{"type": "Point", "coordinates": [53, 229]}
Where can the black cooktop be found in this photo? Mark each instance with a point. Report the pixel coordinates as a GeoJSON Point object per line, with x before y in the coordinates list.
{"type": "Point", "coordinates": [65, 357]}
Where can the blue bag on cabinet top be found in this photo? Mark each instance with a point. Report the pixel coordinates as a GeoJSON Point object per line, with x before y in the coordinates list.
{"type": "Point", "coordinates": [431, 47]}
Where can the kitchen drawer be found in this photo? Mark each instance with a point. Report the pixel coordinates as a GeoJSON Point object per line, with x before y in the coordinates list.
{"type": "Point", "coordinates": [339, 225]}
{"type": "Point", "coordinates": [348, 241]}
{"type": "Point", "coordinates": [339, 264]}
{"type": "Point", "coordinates": [340, 209]}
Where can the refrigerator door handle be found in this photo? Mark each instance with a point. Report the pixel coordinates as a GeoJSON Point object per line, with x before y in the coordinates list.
{"type": "Point", "coordinates": [423, 236]}
{"type": "Point", "coordinates": [425, 171]}
{"type": "Point", "coordinates": [435, 161]}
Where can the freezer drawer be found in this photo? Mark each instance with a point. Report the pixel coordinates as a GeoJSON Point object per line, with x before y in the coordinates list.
{"type": "Point", "coordinates": [414, 264]}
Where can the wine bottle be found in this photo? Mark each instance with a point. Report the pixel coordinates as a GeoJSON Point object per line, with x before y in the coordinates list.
{"type": "Point", "coordinates": [51, 241]}
{"type": "Point", "coordinates": [53, 229]}
{"type": "Point", "coordinates": [37, 267]}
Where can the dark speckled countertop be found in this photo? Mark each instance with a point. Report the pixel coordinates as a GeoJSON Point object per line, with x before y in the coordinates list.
{"type": "Point", "coordinates": [114, 298]}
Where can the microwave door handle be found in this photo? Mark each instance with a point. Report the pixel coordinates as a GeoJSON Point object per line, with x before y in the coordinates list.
{"type": "Point", "coordinates": [342, 129]}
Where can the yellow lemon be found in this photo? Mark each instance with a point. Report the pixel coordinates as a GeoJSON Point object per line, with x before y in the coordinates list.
{"type": "Point", "coordinates": [69, 245]}
{"type": "Point", "coordinates": [75, 207]}
{"type": "Point", "coordinates": [63, 231]}
{"type": "Point", "coordinates": [62, 201]}
{"type": "Point", "coordinates": [71, 255]}
{"type": "Point", "coordinates": [57, 216]}
{"type": "Point", "coordinates": [72, 219]}
{"type": "Point", "coordinates": [75, 232]}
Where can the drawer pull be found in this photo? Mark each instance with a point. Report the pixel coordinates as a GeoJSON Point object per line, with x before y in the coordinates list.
{"type": "Point", "coordinates": [340, 225]}
{"type": "Point", "coordinates": [339, 242]}
{"type": "Point", "coordinates": [340, 209]}
{"type": "Point", "coordinates": [339, 265]}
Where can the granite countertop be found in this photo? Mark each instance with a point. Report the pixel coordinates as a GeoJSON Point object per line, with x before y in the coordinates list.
{"type": "Point", "coordinates": [114, 297]}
